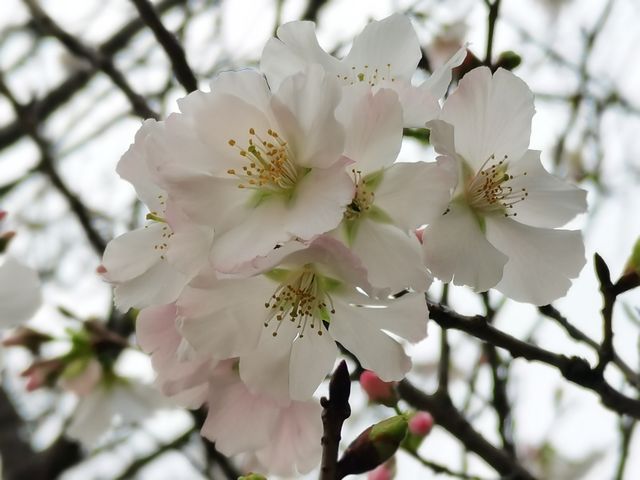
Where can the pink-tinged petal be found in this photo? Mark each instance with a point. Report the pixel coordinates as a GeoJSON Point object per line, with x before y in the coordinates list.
{"type": "Point", "coordinates": [414, 194]}
{"type": "Point", "coordinates": [190, 246]}
{"type": "Point", "coordinates": [320, 200]}
{"type": "Point", "coordinates": [304, 107]}
{"type": "Point", "coordinates": [312, 358]}
{"type": "Point", "coordinates": [294, 446]}
{"type": "Point", "coordinates": [442, 138]}
{"type": "Point", "coordinates": [541, 261]}
{"type": "Point", "coordinates": [159, 285]}
{"type": "Point", "coordinates": [389, 45]}
{"type": "Point", "coordinates": [20, 295]}
{"type": "Point", "coordinates": [353, 328]}
{"type": "Point", "coordinates": [491, 115]}
{"type": "Point", "coordinates": [419, 105]}
{"type": "Point", "coordinates": [265, 370]}
{"type": "Point", "coordinates": [226, 320]}
{"type": "Point", "coordinates": [134, 253]}
{"type": "Point", "coordinates": [438, 83]}
{"type": "Point", "coordinates": [374, 132]}
{"type": "Point", "coordinates": [295, 48]}
{"type": "Point", "coordinates": [157, 335]}
{"type": "Point", "coordinates": [456, 250]}
{"type": "Point", "coordinates": [550, 201]}
{"type": "Point", "coordinates": [393, 258]}
{"type": "Point", "coordinates": [249, 85]}
{"type": "Point", "coordinates": [238, 420]}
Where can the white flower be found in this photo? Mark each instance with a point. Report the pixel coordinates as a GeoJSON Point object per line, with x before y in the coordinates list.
{"type": "Point", "coordinates": [151, 265]}
{"type": "Point", "coordinates": [282, 433]}
{"type": "Point", "coordinates": [384, 55]}
{"type": "Point", "coordinates": [391, 199]}
{"type": "Point", "coordinates": [260, 168]}
{"type": "Point", "coordinates": [84, 381]}
{"type": "Point", "coordinates": [110, 404]}
{"type": "Point", "coordinates": [500, 230]}
{"type": "Point", "coordinates": [283, 324]}
{"type": "Point", "coordinates": [20, 295]}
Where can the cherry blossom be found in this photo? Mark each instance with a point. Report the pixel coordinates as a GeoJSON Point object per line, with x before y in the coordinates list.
{"type": "Point", "coordinates": [500, 228]}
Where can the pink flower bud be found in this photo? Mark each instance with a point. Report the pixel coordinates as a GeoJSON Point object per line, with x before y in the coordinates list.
{"type": "Point", "coordinates": [377, 390]}
{"type": "Point", "coordinates": [2, 214]}
{"type": "Point", "coordinates": [419, 233]}
{"type": "Point", "coordinates": [101, 269]}
{"type": "Point", "coordinates": [380, 473]}
{"type": "Point", "coordinates": [421, 424]}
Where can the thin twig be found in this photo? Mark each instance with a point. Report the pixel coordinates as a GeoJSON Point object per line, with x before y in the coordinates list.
{"type": "Point", "coordinates": [170, 44]}
{"type": "Point", "coordinates": [494, 8]}
{"type": "Point", "coordinates": [336, 410]}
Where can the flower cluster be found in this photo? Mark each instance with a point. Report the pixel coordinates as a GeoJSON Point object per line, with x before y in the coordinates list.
{"type": "Point", "coordinates": [280, 225]}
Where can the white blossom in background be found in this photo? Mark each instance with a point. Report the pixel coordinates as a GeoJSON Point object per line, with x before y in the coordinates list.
{"type": "Point", "coordinates": [20, 295]}
{"type": "Point", "coordinates": [384, 55]}
{"type": "Point", "coordinates": [259, 167]}
{"type": "Point", "coordinates": [283, 324]}
{"type": "Point", "coordinates": [151, 265]}
{"type": "Point", "coordinates": [501, 227]}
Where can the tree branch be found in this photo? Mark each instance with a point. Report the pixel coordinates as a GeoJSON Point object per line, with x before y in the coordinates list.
{"type": "Point", "coordinates": [336, 411]}
{"type": "Point", "coordinates": [169, 43]}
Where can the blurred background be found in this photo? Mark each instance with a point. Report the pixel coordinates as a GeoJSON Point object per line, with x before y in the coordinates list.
{"type": "Point", "coordinates": [65, 121]}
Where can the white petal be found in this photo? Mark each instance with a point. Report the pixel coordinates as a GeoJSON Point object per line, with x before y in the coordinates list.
{"type": "Point", "coordinates": [541, 260]}
{"type": "Point", "coordinates": [551, 202]}
{"type": "Point", "coordinates": [491, 115]}
{"type": "Point", "coordinates": [442, 138]}
{"type": "Point", "coordinates": [438, 83]}
{"type": "Point", "coordinates": [226, 320]}
{"type": "Point", "coordinates": [393, 258]}
{"type": "Point", "coordinates": [20, 294]}
{"type": "Point", "coordinates": [238, 420]}
{"type": "Point", "coordinates": [353, 328]}
{"type": "Point", "coordinates": [294, 444]}
{"type": "Point", "coordinates": [390, 41]}
{"type": "Point", "coordinates": [265, 370]}
{"type": "Point", "coordinates": [305, 108]}
{"type": "Point", "coordinates": [247, 84]}
{"type": "Point", "coordinates": [319, 201]}
{"type": "Point", "coordinates": [157, 335]}
{"type": "Point", "coordinates": [456, 250]}
{"type": "Point", "coordinates": [295, 48]}
{"type": "Point", "coordinates": [414, 194]}
{"type": "Point", "coordinates": [159, 285]}
{"type": "Point", "coordinates": [374, 134]}
{"type": "Point", "coordinates": [312, 358]}
{"type": "Point", "coordinates": [419, 105]}
{"type": "Point", "coordinates": [133, 253]}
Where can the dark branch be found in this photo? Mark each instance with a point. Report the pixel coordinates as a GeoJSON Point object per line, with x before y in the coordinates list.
{"type": "Point", "coordinates": [448, 417]}
{"type": "Point", "coordinates": [336, 411]}
{"type": "Point", "coordinates": [170, 44]}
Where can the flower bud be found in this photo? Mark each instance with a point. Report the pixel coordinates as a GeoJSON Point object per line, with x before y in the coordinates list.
{"type": "Point", "coordinates": [42, 373]}
{"type": "Point", "coordinates": [2, 214]}
{"type": "Point", "coordinates": [374, 446]}
{"type": "Point", "coordinates": [377, 390]}
{"type": "Point", "coordinates": [508, 60]}
{"type": "Point", "coordinates": [382, 472]}
{"type": "Point", "coordinates": [421, 424]}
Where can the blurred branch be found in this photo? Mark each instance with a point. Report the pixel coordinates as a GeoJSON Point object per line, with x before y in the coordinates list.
{"type": "Point", "coordinates": [29, 124]}
{"type": "Point", "coordinates": [627, 427]}
{"type": "Point", "coordinates": [94, 57]}
{"type": "Point", "coordinates": [170, 44]}
{"type": "Point", "coordinates": [59, 95]}
{"type": "Point", "coordinates": [440, 469]}
{"type": "Point", "coordinates": [448, 417]}
{"type": "Point", "coordinates": [494, 8]}
{"type": "Point", "coordinates": [313, 9]}
{"type": "Point", "coordinates": [574, 369]}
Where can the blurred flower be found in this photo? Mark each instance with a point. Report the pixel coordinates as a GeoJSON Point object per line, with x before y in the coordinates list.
{"type": "Point", "coordinates": [384, 55]}
{"type": "Point", "coordinates": [81, 378]}
{"type": "Point", "coordinates": [500, 229]}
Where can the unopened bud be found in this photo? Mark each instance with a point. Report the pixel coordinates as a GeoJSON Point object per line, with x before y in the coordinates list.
{"type": "Point", "coordinates": [252, 476]}
{"type": "Point", "coordinates": [421, 424]}
{"type": "Point", "coordinates": [377, 390]}
{"type": "Point", "coordinates": [26, 337]}
{"type": "Point", "coordinates": [382, 472]}
{"type": "Point", "coordinates": [374, 446]}
{"type": "Point", "coordinates": [42, 373]}
{"type": "Point", "coordinates": [508, 60]}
